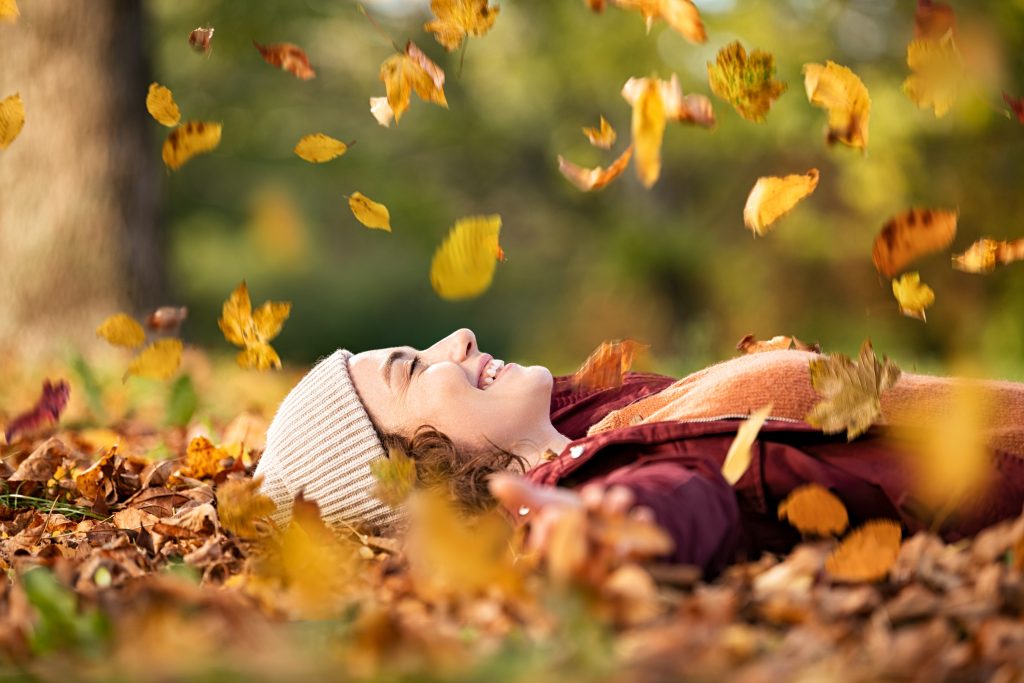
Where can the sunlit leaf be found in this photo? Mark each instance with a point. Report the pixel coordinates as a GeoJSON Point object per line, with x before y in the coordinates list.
{"type": "Point", "coordinates": [681, 15]}
{"type": "Point", "coordinates": [159, 360]}
{"type": "Point", "coordinates": [463, 266]}
{"type": "Point", "coordinates": [200, 39]}
{"type": "Point", "coordinates": [395, 475]}
{"type": "Point", "coordinates": [89, 481]}
{"type": "Point", "coordinates": [188, 140]}
{"type": "Point", "coordinates": [694, 109]}
{"type": "Point", "coordinates": [588, 179]}
{"type": "Point", "coordinates": [985, 254]}
{"type": "Point", "coordinates": [12, 119]}
{"type": "Point", "coordinates": [815, 511]}
{"type": "Point", "coordinates": [288, 57]}
{"type": "Point", "coordinates": [851, 391]}
{"type": "Point", "coordinates": [838, 90]}
{"type": "Point", "coordinates": [121, 329]}
{"type": "Point", "coordinates": [204, 459]}
{"type": "Point", "coordinates": [773, 197]}
{"type": "Point", "coordinates": [317, 148]}
{"type": "Point", "coordinates": [405, 74]}
{"type": "Point", "coordinates": [606, 365]}
{"type": "Point", "coordinates": [648, 130]}
{"type": "Point", "coordinates": [161, 105]}
{"type": "Point", "coordinates": [911, 235]}
{"type": "Point", "coordinates": [253, 330]}
{"type": "Point", "coordinates": [47, 410]}
{"type": "Point", "coordinates": [867, 553]}
{"type": "Point", "coordinates": [747, 82]}
{"type": "Point", "coordinates": [937, 74]}
{"type": "Point", "coordinates": [912, 295]}
{"type": "Point", "coordinates": [737, 460]}
{"type": "Point", "coordinates": [455, 19]}
{"type": "Point", "coordinates": [368, 212]}
{"type": "Point", "coordinates": [240, 504]}
{"type": "Point", "coordinates": [9, 11]}
{"type": "Point", "coordinates": [603, 136]}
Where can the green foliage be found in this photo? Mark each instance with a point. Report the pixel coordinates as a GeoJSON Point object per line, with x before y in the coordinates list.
{"type": "Point", "coordinates": [182, 401]}
{"type": "Point", "coordinates": [91, 386]}
{"type": "Point", "coordinates": [60, 625]}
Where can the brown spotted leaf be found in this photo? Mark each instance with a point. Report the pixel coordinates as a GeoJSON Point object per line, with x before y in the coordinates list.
{"type": "Point", "coordinates": [911, 235]}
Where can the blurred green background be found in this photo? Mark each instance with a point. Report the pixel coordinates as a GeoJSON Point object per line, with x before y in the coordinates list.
{"type": "Point", "coordinates": [672, 266]}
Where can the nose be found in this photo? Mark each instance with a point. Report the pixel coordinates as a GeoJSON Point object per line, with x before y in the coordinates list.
{"type": "Point", "coordinates": [457, 346]}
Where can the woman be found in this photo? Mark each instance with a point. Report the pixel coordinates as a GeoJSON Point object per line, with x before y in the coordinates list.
{"type": "Point", "coordinates": [652, 447]}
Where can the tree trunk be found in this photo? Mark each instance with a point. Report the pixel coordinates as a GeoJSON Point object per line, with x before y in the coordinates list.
{"type": "Point", "coordinates": [78, 187]}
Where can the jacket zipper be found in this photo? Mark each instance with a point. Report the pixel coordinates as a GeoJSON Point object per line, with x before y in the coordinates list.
{"type": "Point", "coordinates": [742, 416]}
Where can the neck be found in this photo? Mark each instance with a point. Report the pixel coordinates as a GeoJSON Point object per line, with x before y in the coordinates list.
{"type": "Point", "coordinates": [549, 440]}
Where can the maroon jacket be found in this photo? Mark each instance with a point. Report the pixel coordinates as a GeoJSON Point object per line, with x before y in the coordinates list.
{"type": "Point", "coordinates": [675, 469]}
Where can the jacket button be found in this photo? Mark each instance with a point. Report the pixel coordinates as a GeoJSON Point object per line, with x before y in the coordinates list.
{"type": "Point", "coordinates": [575, 451]}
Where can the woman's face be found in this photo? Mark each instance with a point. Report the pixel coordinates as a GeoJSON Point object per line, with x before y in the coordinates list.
{"type": "Point", "coordinates": [448, 387]}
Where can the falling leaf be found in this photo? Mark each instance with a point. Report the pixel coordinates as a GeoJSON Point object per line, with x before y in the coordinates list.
{"type": "Point", "coordinates": [463, 266]}
{"type": "Point", "coordinates": [395, 475]}
{"type": "Point", "coordinates": [403, 75]}
{"type": "Point", "coordinates": [1016, 105]}
{"type": "Point", "coordinates": [159, 360]}
{"type": "Point", "coordinates": [937, 74]}
{"type": "Point", "coordinates": [603, 136]}
{"type": "Point", "coordinates": [986, 253]}
{"type": "Point", "coordinates": [318, 148]}
{"type": "Point", "coordinates": [368, 212]}
{"type": "Point", "coordinates": [681, 15]}
{"type": "Point", "coordinates": [737, 460]}
{"type": "Point", "coordinates": [910, 235]}
{"type": "Point", "coordinates": [9, 10]}
{"type": "Point", "coordinates": [121, 329]}
{"type": "Point", "coordinates": [188, 140]}
{"type": "Point", "coordinates": [288, 57]}
{"type": "Point", "coordinates": [167, 318]}
{"type": "Point", "coordinates": [867, 553]}
{"type": "Point", "coordinates": [381, 111]}
{"type": "Point", "coordinates": [695, 109]}
{"type": "Point", "coordinates": [838, 90]}
{"type": "Point", "coordinates": [746, 82]}
{"type": "Point", "coordinates": [814, 510]}
{"type": "Point", "coordinates": [161, 106]}
{"type": "Point", "coordinates": [851, 391]}
{"type": "Point", "coordinates": [648, 130]}
{"type": "Point", "coordinates": [200, 39]}
{"type": "Point", "coordinates": [455, 19]}
{"type": "Point", "coordinates": [933, 20]}
{"type": "Point", "coordinates": [253, 330]}
{"type": "Point", "coordinates": [12, 118]}
{"type": "Point", "coordinates": [750, 344]}
{"type": "Point", "coordinates": [606, 365]}
{"type": "Point", "coordinates": [912, 295]}
{"type": "Point", "coordinates": [46, 411]}
{"type": "Point", "coordinates": [588, 179]}
{"type": "Point", "coordinates": [774, 197]}
{"type": "Point", "coordinates": [240, 503]}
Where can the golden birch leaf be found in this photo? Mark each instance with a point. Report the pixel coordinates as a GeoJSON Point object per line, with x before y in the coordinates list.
{"type": "Point", "coordinates": [605, 367]}
{"type": "Point", "coordinates": [161, 105]}
{"type": "Point", "coordinates": [937, 74]}
{"type": "Point", "coordinates": [681, 15]}
{"type": "Point", "coordinates": [9, 11]}
{"type": "Point", "coordinates": [12, 119]}
{"type": "Point", "coordinates": [912, 295]}
{"type": "Point", "coordinates": [405, 74]}
{"type": "Point", "coordinates": [986, 253]}
{"type": "Point", "coordinates": [773, 197]}
{"type": "Point", "coordinates": [695, 109]}
{"type": "Point", "coordinates": [747, 82]}
{"type": "Point", "coordinates": [188, 140]}
{"type": "Point", "coordinates": [814, 511]}
{"type": "Point", "coordinates": [240, 503]}
{"type": "Point", "coordinates": [737, 460]}
{"type": "Point", "coordinates": [867, 553]}
{"type": "Point", "coordinates": [121, 329]}
{"type": "Point", "coordinates": [253, 331]}
{"type": "Point", "coordinates": [603, 136]}
{"type": "Point", "coordinates": [851, 391]}
{"type": "Point", "coordinates": [839, 91]}
{"type": "Point", "coordinates": [317, 148]}
{"type": "Point", "coordinates": [368, 212]}
{"type": "Point", "coordinates": [588, 179]}
{"type": "Point", "coordinates": [910, 235]}
{"type": "Point", "coordinates": [455, 19]}
{"type": "Point", "coordinates": [463, 266]}
{"type": "Point", "coordinates": [159, 360]}
{"type": "Point", "coordinates": [648, 130]}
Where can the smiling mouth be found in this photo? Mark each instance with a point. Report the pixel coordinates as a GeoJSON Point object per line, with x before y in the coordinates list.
{"type": "Point", "coordinates": [490, 373]}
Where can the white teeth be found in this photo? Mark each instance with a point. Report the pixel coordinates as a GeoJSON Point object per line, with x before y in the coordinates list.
{"type": "Point", "coordinates": [490, 372]}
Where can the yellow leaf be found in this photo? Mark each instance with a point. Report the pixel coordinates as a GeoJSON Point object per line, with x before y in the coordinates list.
{"type": "Point", "coordinates": [986, 253]}
{"type": "Point", "coordinates": [774, 197]}
{"type": "Point", "coordinates": [368, 212]}
{"type": "Point", "coordinates": [681, 15]}
{"type": "Point", "coordinates": [746, 82]}
{"type": "Point", "coordinates": [457, 18]}
{"type": "Point", "coordinates": [188, 140]}
{"type": "Point", "coordinates": [395, 475]}
{"type": "Point", "coordinates": [161, 106]}
{"type": "Point", "coordinates": [463, 266]}
{"type": "Point", "coordinates": [406, 73]}
{"type": "Point", "coordinates": [814, 510]}
{"type": "Point", "coordinates": [912, 295]}
{"type": "Point", "coordinates": [252, 331]}
{"type": "Point", "coordinates": [9, 10]}
{"type": "Point", "coordinates": [937, 73]}
{"type": "Point", "coordinates": [737, 460]}
{"type": "Point", "coordinates": [648, 129]}
{"type": "Point", "coordinates": [603, 136]}
{"type": "Point", "coordinates": [606, 365]}
{"type": "Point", "coordinates": [866, 554]}
{"type": "Point", "coordinates": [122, 330]}
{"type": "Point", "coordinates": [239, 503]}
{"type": "Point", "coordinates": [838, 90]}
{"type": "Point", "coordinates": [695, 109]}
{"type": "Point", "coordinates": [159, 360]}
{"type": "Point", "coordinates": [12, 118]}
{"type": "Point", "coordinates": [588, 179]}
{"type": "Point", "coordinates": [912, 234]}
{"type": "Point", "coordinates": [203, 459]}
{"type": "Point", "coordinates": [318, 148]}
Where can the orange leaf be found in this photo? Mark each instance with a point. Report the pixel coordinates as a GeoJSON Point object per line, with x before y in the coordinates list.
{"type": "Point", "coordinates": [288, 57]}
{"type": "Point", "coordinates": [588, 179]}
{"type": "Point", "coordinates": [604, 368]}
{"type": "Point", "coordinates": [403, 75]}
{"type": "Point", "coordinates": [932, 20]}
{"type": "Point", "coordinates": [681, 15]}
{"type": "Point", "coordinates": [603, 136]}
{"type": "Point", "coordinates": [455, 19]}
{"type": "Point", "coordinates": [866, 554]}
{"type": "Point", "coordinates": [986, 253]}
{"type": "Point", "coordinates": [910, 235]}
{"type": "Point", "coordinates": [837, 89]}
{"type": "Point", "coordinates": [814, 510]}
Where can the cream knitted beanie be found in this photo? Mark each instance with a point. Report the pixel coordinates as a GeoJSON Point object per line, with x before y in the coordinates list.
{"type": "Point", "coordinates": [321, 442]}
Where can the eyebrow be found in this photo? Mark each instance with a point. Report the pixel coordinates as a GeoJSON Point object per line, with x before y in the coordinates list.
{"type": "Point", "coordinates": [394, 356]}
